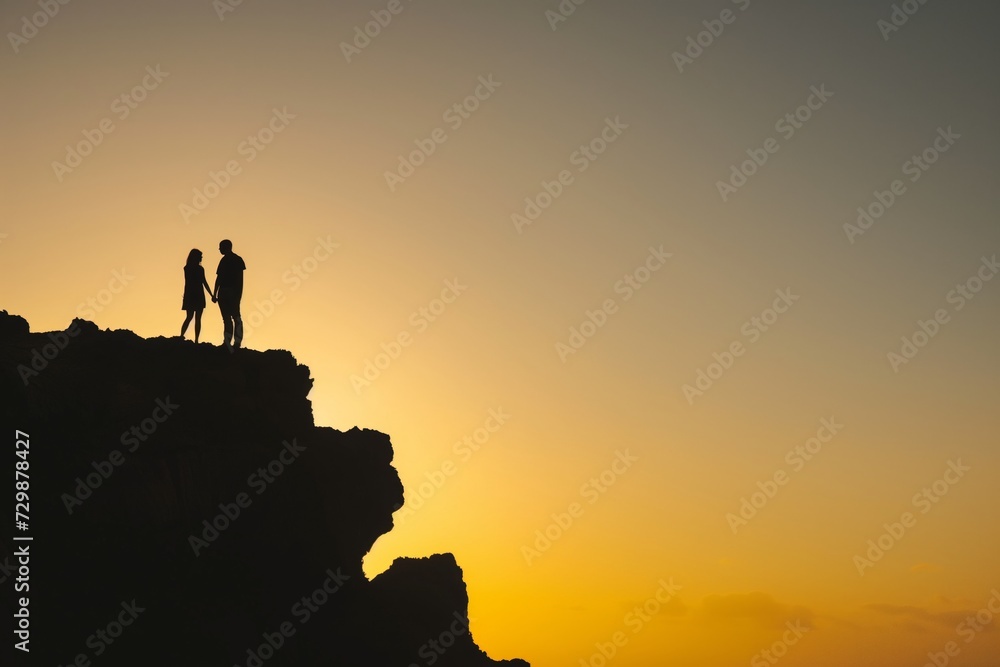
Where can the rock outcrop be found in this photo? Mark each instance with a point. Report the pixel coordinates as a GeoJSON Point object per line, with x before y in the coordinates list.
{"type": "Point", "coordinates": [185, 510]}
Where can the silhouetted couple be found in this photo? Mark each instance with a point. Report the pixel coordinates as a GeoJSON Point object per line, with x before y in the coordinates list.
{"type": "Point", "coordinates": [227, 293]}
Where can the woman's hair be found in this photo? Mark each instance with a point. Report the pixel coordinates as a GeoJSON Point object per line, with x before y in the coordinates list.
{"type": "Point", "coordinates": [193, 257]}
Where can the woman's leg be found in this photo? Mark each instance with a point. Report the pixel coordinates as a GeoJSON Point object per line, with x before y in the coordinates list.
{"type": "Point", "coordinates": [187, 321]}
{"type": "Point", "coordinates": [197, 325]}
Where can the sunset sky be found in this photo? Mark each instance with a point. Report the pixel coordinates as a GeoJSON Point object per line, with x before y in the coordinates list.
{"type": "Point", "coordinates": [538, 252]}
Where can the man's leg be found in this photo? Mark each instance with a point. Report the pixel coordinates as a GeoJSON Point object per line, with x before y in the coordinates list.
{"type": "Point", "coordinates": [227, 322]}
{"type": "Point", "coordinates": [238, 325]}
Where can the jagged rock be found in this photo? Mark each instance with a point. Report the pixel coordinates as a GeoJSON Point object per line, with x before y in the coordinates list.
{"type": "Point", "coordinates": [12, 326]}
{"type": "Point", "coordinates": [191, 483]}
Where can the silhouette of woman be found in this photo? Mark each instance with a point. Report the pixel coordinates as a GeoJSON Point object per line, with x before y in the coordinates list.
{"type": "Point", "coordinates": [194, 297]}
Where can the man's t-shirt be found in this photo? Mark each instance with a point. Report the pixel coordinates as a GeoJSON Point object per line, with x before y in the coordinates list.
{"type": "Point", "coordinates": [230, 272]}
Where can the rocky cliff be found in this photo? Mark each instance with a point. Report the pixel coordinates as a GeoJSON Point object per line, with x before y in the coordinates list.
{"type": "Point", "coordinates": [185, 510]}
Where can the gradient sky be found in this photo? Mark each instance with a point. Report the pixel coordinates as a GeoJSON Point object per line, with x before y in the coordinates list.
{"type": "Point", "coordinates": [322, 181]}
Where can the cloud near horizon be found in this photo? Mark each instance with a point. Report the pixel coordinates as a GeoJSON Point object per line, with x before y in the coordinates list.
{"type": "Point", "coordinates": [917, 618]}
{"type": "Point", "coordinates": [755, 606]}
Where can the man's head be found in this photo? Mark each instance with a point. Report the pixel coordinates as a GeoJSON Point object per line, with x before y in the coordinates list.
{"type": "Point", "coordinates": [225, 246]}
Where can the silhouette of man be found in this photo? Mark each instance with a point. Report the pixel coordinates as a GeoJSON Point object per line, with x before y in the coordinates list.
{"type": "Point", "coordinates": [228, 292]}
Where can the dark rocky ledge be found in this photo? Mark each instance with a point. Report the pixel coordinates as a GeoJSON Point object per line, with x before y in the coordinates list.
{"type": "Point", "coordinates": [138, 446]}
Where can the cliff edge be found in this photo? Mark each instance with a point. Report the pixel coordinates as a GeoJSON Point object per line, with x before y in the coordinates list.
{"type": "Point", "coordinates": [185, 510]}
